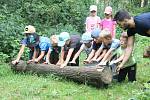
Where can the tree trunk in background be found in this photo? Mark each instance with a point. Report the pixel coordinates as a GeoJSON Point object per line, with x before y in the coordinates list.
{"type": "Point", "coordinates": [97, 76]}
{"type": "Point", "coordinates": [144, 3]}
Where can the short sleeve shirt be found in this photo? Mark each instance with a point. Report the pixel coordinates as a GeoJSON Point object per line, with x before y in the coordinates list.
{"type": "Point", "coordinates": [75, 43]}
{"type": "Point", "coordinates": [45, 44]}
{"type": "Point", "coordinates": [86, 49]}
{"type": "Point", "coordinates": [109, 24]}
{"type": "Point", "coordinates": [142, 25]}
{"type": "Point", "coordinates": [131, 61]}
{"type": "Point", "coordinates": [114, 44]}
{"type": "Point", "coordinates": [24, 42]}
{"type": "Point", "coordinates": [92, 23]}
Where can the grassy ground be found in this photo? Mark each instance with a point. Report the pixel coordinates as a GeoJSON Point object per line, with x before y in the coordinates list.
{"type": "Point", "coordinates": [32, 87]}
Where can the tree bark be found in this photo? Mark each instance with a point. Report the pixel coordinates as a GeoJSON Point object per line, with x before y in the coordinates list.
{"type": "Point", "coordinates": [97, 76]}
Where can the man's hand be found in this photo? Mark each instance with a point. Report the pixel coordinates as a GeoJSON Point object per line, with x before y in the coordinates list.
{"type": "Point", "coordinates": [15, 62]}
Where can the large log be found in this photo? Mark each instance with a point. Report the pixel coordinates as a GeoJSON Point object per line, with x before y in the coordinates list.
{"type": "Point", "coordinates": [97, 76]}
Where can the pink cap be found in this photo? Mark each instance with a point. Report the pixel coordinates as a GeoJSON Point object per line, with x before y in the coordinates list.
{"type": "Point", "coordinates": [108, 10]}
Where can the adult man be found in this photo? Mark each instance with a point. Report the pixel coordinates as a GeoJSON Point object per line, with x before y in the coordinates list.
{"type": "Point", "coordinates": [139, 24]}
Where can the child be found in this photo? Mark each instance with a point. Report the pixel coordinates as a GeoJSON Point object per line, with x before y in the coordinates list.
{"type": "Point", "coordinates": [109, 44]}
{"type": "Point", "coordinates": [41, 47]}
{"type": "Point", "coordinates": [27, 30]}
{"type": "Point", "coordinates": [86, 46]}
{"type": "Point", "coordinates": [108, 22]}
{"type": "Point", "coordinates": [69, 47]}
{"type": "Point", "coordinates": [130, 66]}
{"type": "Point", "coordinates": [53, 56]}
{"type": "Point", "coordinates": [93, 20]}
{"type": "Point", "coordinates": [96, 45]}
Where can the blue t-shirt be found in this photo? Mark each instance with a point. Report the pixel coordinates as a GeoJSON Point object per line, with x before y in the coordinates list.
{"type": "Point", "coordinates": [44, 44]}
{"type": "Point", "coordinates": [114, 44]}
{"type": "Point", "coordinates": [142, 25]}
{"type": "Point", "coordinates": [24, 41]}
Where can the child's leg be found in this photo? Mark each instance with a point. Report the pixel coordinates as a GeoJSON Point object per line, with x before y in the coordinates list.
{"type": "Point", "coordinates": [122, 74]}
{"type": "Point", "coordinates": [132, 73]}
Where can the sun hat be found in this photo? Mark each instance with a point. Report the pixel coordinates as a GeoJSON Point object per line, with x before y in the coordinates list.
{"type": "Point", "coordinates": [95, 33]}
{"type": "Point", "coordinates": [108, 10]}
{"type": "Point", "coordinates": [29, 29]}
{"type": "Point", "coordinates": [63, 37]}
{"type": "Point", "coordinates": [93, 8]}
{"type": "Point", "coordinates": [86, 38]}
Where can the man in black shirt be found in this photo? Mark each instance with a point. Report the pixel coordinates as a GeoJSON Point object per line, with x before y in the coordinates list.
{"type": "Point", "coordinates": [139, 24]}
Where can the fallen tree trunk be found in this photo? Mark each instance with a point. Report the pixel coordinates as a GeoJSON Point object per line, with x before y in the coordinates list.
{"type": "Point", "coordinates": [97, 76]}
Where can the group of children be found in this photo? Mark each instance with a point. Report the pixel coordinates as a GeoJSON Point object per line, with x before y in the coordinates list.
{"type": "Point", "coordinates": [98, 42]}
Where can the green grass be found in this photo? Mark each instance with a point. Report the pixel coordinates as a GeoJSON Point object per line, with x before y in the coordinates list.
{"type": "Point", "coordinates": [17, 86]}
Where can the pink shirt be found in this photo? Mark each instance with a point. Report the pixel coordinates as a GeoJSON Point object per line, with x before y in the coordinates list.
{"type": "Point", "coordinates": [109, 24]}
{"type": "Point", "coordinates": [92, 22]}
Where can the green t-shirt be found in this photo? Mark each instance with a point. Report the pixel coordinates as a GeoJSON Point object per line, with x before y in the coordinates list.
{"type": "Point", "coordinates": [131, 61]}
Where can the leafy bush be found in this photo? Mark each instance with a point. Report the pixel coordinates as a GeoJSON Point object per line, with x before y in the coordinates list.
{"type": "Point", "coordinates": [49, 17]}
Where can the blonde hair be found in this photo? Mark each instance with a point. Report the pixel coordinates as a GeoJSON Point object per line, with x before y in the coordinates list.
{"type": "Point", "coordinates": [124, 35]}
{"type": "Point", "coordinates": [105, 33]}
{"type": "Point", "coordinates": [54, 39]}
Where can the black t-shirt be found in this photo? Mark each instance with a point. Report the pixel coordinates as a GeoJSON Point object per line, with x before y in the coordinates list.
{"type": "Point", "coordinates": [74, 43]}
{"type": "Point", "coordinates": [142, 25]}
{"type": "Point", "coordinates": [96, 46]}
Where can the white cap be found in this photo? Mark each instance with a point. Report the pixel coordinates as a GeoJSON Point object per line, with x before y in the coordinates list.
{"type": "Point", "coordinates": [93, 8]}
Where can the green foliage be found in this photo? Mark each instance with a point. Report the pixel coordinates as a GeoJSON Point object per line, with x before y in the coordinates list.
{"type": "Point", "coordinates": [50, 17]}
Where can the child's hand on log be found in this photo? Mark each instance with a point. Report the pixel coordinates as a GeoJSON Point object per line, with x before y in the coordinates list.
{"type": "Point", "coordinates": [93, 60]}
{"type": "Point", "coordinates": [15, 62]}
{"type": "Point", "coordinates": [29, 61]}
{"type": "Point", "coordinates": [102, 64]}
{"type": "Point", "coordinates": [58, 64]}
{"type": "Point", "coordinates": [46, 62]}
{"type": "Point", "coordinates": [62, 65]}
{"type": "Point", "coordinates": [72, 62]}
{"type": "Point", "coordinates": [86, 61]}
